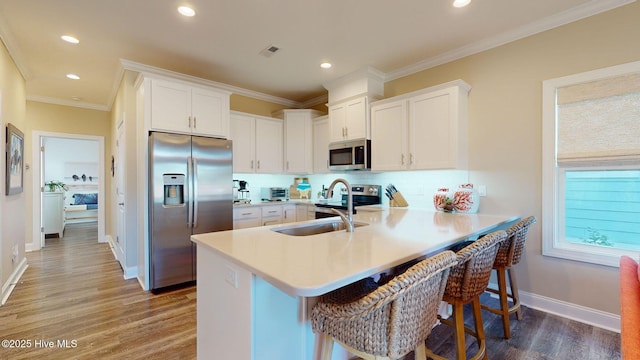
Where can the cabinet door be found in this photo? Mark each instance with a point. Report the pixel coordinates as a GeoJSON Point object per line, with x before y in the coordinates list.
{"type": "Point", "coordinates": [210, 112]}
{"type": "Point", "coordinates": [170, 106]}
{"type": "Point", "coordinates": [432, 131]}
{"type": "Point", "coordinates": [321, 145]}
{"type": "Point", "coordinates": [269, 146]}
{"type": "Point", "coordinates": [357, 119]}
{"type": "Point", "coordinates": [289, 213]}
{"type": "Point", "coordinates": [53, 213]}
{"type": "Point", "coordinates": [298, 143]}
{"type": "Point", "coordinates": [389, 136]}
{"type": "Point", "coordinates": [302, 212]}
{"type": "Point", "coordinates": [243, 137]}
{"type": "Point", "coordinates": [337, 117]}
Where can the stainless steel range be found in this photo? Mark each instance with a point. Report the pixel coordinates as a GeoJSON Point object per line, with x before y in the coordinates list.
{"type": "Point", "coordinates": [363, 194]}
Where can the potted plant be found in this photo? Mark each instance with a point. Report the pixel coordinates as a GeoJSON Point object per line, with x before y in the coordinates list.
{"type": "Point", "coordinates": [54, 185]}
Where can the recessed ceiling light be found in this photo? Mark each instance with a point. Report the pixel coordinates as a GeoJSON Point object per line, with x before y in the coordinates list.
{"type": "Point", "coordinates": [325, 65]}
{"type": "Point", "coordinates": [461, 3]}
{"type": "Point", "coordinates": [186, 11]}
{"type": "Point", "coordinates": [73, 76]}
{"type": "Point", "coordinates": [69, 39]}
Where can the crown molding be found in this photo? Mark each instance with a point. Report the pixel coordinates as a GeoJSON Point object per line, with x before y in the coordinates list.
{"type": "Point", "coordinates": [591, 8]}
{"type": "Point", "coordinates": [57, 101]}
{"type": "Point", "coordinates": [142, 68]}
{"type": "Point", "coordinates": [7, 39]}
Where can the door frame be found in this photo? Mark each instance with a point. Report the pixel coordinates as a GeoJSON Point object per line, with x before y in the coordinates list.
{"type": "Point", "coordinates": [37, 239]}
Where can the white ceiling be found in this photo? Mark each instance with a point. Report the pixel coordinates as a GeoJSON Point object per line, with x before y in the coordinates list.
{"type": "Point", "coordinates": [223, 41]}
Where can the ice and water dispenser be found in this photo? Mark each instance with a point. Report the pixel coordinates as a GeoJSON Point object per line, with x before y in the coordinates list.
{"type": "Point", "coordinates": [173, 189]}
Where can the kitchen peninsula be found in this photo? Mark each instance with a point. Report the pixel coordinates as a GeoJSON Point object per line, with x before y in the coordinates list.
{"type": "Point", "coordinates": [256, 286]}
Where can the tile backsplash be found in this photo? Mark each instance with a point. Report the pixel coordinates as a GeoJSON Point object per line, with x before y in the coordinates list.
{"type": "Point", "coordinates": [417, 187]}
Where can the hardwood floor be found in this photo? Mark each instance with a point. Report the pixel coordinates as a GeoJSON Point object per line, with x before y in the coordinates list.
{"type": "Point", "coordinates": [73, 290]}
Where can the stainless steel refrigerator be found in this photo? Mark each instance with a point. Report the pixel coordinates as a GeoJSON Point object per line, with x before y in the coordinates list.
{"type": "Point", "coordinates": [190, 192]}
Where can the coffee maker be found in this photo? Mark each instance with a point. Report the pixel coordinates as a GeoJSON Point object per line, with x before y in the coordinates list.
{"type": "Point", "coordinates": [240, 191]}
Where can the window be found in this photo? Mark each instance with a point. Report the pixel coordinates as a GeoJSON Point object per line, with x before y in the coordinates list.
{"type": "Point", "coordinates": [591, 165]}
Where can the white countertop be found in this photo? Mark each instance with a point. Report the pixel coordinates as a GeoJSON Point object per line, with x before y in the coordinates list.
{"type": "Point", "coordinates": [314, 265]}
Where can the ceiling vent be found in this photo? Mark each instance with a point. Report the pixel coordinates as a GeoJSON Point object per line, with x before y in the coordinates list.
{"type": "Point", "coordinates": [269, 51]}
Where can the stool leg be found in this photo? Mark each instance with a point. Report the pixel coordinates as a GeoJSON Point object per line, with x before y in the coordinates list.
{"type": "Point", "coordinates": [479, 327]}
{"type": "Point", "coordinates": [326, 348]}
{"type": "Point", "coordinates": [514, 293]}
{"type": "Point", "coordinates": [504, 301]}
{"type": "Point", "coordinates": [421, 352]}
{"type": "Point", "coordinates": [458, 324]}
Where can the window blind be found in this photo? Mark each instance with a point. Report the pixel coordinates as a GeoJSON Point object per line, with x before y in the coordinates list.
{"type": "Point", "coordinates": [599, 122]}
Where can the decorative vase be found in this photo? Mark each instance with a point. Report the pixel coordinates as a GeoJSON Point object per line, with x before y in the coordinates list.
{"type": "Point", "coordinates": [440, 199]}
{"type": "Point", "coordinates": [466, 199]}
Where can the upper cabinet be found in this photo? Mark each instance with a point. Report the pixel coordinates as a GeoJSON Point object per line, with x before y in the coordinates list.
{"type": "Point", "coordinates": [298, 140]}
{"type": "Point", "coordinates": [257, 144]}
{"type": "Point", "coordinates": [321, 144]}
{"type": "Point", "coordinates": [422, 130]}
{"type": "Point", "coordinates": [180, 107]}
{"type": "Point", "coordinates": [349, 119]}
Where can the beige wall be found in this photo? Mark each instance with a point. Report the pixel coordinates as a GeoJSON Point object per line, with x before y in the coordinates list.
{"type": "Point", "coordinates": [253, 106]}
{"type": "Point", "coordinates": [68, 120]}
{"type": "Point", "coordinates": [12, 208]}
{"type": "Point", "coordinates": [505, 134]}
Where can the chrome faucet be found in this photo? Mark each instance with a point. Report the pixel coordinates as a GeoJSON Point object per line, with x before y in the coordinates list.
{"type": "Point", "coordinates": [348, 218]}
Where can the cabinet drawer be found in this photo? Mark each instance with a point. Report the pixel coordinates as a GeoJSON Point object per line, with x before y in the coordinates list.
{"type": "Point", "coordinates": [246, 213]}
{"type": "Point", "coordinates": [271, 211]}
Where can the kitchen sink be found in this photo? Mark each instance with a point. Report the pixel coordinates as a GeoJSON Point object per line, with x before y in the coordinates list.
{"type": "Point", "coordinates": [315, 228]}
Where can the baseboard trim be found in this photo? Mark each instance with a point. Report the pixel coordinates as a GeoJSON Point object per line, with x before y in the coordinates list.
{"type": "Point", "coordinates": [7, 288]}
{"type": "Point", "coordinates": [583, 314]}
{"type": "Point", "coordinates": [130, 272]}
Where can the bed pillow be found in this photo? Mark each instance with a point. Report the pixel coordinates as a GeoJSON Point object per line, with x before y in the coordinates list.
{"type": "Point", "coordinates": [84, 199]}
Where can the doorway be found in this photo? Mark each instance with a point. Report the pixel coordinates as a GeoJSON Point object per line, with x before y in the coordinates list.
{"type": "Point", "coordinates": [81, 171]}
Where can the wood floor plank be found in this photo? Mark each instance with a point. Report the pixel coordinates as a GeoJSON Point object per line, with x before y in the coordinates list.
{"type": "Point", "coordinates": [74, 290]}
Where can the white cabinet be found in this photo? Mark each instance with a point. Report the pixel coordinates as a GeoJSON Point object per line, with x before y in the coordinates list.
{"type": "Point", "coordinates": [183, 108]}
{"type": "Point", "coordinates": [247, 217]}
{"type": "Point", "coordinates": [289, 214]}
{"type": "Point", "coordinates": [349, 120]}
{"type": "Point", "coordinates": [257, 144]}
{"type": "Point", "coordinates": [423, 130]}
{"type": "Point", "coordinates": [53, 213]}
{"type": "Point", "coordinates": [298, 140]}
{"type": "Point", "coordinates": [271, 215]}
{"type": "Point", "coordinates": [321, 144]}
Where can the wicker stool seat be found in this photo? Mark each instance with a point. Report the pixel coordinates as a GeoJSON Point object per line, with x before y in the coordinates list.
{"type": "Point", "coordinates": [467, 281]}
{"type": "Point", "coordinates": [509, 254]}
{"type": "Point", "coordinates": [389, 322]}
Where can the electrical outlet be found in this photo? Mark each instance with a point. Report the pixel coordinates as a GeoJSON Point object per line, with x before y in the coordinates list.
{"type": "Point", "coordinates": [482, 190]}
{"type": "Point", "coordinates": [231, 276]}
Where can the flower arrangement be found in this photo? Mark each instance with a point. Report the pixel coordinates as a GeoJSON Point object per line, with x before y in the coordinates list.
{"type": "Point", "coordinates": [54, 185]}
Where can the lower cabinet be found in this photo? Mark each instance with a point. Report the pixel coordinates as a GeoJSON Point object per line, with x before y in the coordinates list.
{"type": "Point", "coordinates": [289, 213]}
{"type": "Point", "coordinates": [257, 215]}
{"type": "Point", "coordinates": [271, 215]}
{"type": "Point", "coordinates": [53, 213]}
{"type": "Point", "coordinates": [247, 217]}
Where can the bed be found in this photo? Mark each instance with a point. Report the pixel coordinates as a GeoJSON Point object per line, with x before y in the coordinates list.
{"type": "Point", "coordinates": [81, 206]}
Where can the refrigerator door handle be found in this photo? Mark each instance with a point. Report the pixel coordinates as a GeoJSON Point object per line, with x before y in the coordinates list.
{"type": "Point", "coordinates": [191, 194]}
{"type": "Point", "coordinates": [195, 193]}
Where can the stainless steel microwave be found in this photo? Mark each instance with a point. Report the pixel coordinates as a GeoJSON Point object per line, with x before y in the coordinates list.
{"type": "Point", "coordinates": [350, 155]}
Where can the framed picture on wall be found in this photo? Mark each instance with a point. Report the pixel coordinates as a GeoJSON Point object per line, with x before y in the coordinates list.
{"type": "Point", "coordinates": [15, 160]}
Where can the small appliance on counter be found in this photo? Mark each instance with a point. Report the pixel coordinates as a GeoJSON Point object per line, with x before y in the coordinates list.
{"type": "Point", "coordinates": [243, 193]}
{"type": "Point", "coordinates": [274, 194]}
